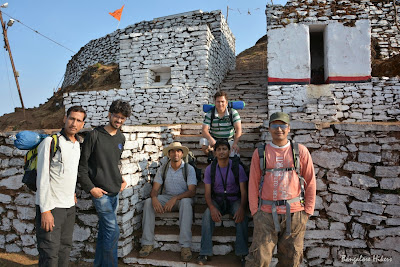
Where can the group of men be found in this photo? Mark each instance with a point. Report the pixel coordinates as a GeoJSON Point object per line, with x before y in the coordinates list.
{"type": "Point", "coordinates": [280, 190]}
{"type": "Point", "coordinates": [280, 194]}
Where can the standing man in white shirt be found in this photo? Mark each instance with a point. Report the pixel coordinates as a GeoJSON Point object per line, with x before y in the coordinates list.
{"type": "Point", "coordinates": [55, 195]}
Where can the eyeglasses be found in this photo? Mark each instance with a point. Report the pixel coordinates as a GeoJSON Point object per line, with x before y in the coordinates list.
{"type": "Point", "coordinates": [276, 126]}
{"type": "Point", "coordinates": [118, 117]}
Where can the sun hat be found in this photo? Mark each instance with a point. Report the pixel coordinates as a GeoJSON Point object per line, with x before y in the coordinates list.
{"type": "Point", "coordinates": [176, 145]}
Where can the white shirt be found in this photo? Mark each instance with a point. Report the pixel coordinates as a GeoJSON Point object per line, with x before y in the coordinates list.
{"type": "Point", "coordinates": [56, 183]}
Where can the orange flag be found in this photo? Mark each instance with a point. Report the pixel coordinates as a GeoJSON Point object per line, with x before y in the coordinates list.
{"type": "Point", "coordinates": [117, 13]}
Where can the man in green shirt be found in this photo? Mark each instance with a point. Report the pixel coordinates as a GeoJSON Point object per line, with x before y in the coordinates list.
{"type": "Point", "coordinates": [221, 122]}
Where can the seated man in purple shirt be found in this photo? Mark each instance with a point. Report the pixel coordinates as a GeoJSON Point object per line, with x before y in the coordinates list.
{"type": "Point", "coordinates": [225, 192]}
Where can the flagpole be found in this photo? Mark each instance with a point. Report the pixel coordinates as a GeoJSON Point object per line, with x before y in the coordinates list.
{"type": "Point", "coordinates": [118, 24]}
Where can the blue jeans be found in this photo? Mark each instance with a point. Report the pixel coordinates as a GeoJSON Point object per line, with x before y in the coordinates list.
{"type": "Point", "coordinates": [207, 230]}
{"type": "Point", "coordinates": [107, 237]}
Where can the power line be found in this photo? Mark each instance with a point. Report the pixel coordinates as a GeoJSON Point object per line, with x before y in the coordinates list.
{"type": "Point", "coordinates": [40, 33]}
{"type": "Point", "coordinates": [8, 77]}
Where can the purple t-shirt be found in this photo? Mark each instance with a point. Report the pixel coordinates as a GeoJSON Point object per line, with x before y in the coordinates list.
{"type": "Point", "coordinates": [231, 186]}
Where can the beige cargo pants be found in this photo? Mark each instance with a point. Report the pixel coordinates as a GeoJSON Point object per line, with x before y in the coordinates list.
{"type": "Point", "coordinates": [290, 247]}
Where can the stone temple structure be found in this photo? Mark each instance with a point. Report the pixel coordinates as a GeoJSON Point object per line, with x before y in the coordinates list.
{"type": "Point", "coordinates": [168, 67]}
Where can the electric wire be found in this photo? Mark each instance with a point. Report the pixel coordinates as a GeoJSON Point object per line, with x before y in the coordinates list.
{"type": "Point", "coordinates": [39, 33]}
{"type": "Point", "coordinates": [8, 77]}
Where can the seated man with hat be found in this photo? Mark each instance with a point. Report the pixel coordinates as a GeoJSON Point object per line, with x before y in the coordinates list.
{"type": "Point", "coordinates": [178, 186]}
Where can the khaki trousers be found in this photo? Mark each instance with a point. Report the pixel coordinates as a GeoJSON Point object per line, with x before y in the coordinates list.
{"type": "Point", "coordinates": [290, 247]}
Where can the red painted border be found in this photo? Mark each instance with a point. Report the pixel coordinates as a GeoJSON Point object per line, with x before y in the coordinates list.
{"type": "Point", "coordinates": [347, 79]}
{"type": "Point", "coordinates": [286, 80]}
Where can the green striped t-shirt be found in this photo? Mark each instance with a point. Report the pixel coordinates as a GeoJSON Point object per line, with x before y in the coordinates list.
{"type": "Point", "coordinates": [221, 127]}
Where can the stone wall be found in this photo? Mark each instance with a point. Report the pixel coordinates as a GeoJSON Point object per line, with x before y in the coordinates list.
{"type": "Point", "coordinates": [149, 106]}
{"type": "Point", "coordinates": [357, 207]}
{"type": "Point", "coordinates": [380, 13]}
{"type": "Point", "coordinates": [190, 52]}
{"type": "Point", "coordinates": [378, 100]}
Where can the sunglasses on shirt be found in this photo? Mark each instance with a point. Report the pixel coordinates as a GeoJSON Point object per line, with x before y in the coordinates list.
{"type": "Point", "coordinates": [276, 126]}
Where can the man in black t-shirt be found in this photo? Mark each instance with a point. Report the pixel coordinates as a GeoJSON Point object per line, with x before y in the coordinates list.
{"type": "Point", "coordinates": [99, 175]}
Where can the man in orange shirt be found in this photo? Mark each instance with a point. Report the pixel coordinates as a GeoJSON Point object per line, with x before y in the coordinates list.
{"type": "Point", "coordinates": [282, 191]}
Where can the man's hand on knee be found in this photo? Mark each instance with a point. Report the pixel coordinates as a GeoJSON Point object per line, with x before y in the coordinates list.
{"type": "Point", "coordinates": [215, 214]}
{"type": "Point", "coordinates": [170, 204]}
{"type": "Point", "coordinates": [157, 205]}
{"type": "Point", "coordinates": [239, 215]}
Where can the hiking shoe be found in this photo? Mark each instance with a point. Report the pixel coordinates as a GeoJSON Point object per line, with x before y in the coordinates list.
{"type": "Point", "coordinates": [186, 254]}
{"type": "Point", "coordinates": [145, 251]}
{"type": "Point", "coordinates": [243, 260]}
{"type": "Point", "coordinates": [202, 259]}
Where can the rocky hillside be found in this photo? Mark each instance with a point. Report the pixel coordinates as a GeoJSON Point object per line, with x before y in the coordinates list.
{"type": "Point", "coordinates": [50, 114]}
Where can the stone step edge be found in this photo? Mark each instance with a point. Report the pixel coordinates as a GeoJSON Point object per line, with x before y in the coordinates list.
{"type": "Point", "coordinates": [168, 258]}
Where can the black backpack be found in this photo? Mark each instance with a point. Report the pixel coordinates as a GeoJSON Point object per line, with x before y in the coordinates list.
{"type": "Point", "coordinates": [30, 167]}
{"type": "Point", "coordinates": [236, 162]}
{"type": "Point", "coordinates": [189, 160]}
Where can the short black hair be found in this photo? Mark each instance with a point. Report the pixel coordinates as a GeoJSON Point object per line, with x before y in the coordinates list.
{"type": "Point", "coordinates": [76, 109]}
{"type": "Point", "coordinates": [222, 142]}
{"type": "Point", "coordinates": [119, 106]}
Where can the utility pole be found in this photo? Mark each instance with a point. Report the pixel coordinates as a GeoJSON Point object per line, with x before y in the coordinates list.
{"type": "Point", "coordinates": [11, 58]}
{"type": "Point", "coordinates": [227, 13]}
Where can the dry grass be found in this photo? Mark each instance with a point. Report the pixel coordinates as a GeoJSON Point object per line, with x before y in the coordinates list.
{"type": "Point", "coordinates": [50, 114]}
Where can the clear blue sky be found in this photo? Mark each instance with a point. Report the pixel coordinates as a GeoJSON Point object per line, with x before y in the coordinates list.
{"type": "Point", "coordinates": [73, 23]}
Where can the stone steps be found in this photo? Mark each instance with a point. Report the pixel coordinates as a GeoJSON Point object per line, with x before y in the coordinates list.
{"type": "Point", "coordinates": [167, 239]}
{"type": "Point", "coordinates": [167, 251]}
{"type": "Point", "coordinates": [195, 129]}
{"type": "Point", "coordinates": [250, 87]}
{"type": "Point", "coordinates": [168, 258]}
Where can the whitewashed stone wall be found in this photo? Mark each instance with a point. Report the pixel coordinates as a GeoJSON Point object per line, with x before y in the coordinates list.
{"type": "Point", "coordinates": [197, 48]}
{"type": "Point", "coordinates": [165, 105]}
{"type": "Point", "coordinates": [378, 100]}
{"type": "Point", "coordinates": [283, 44]}
{"type": "Point", "coordinates": [357, 206]}
{"type": "Point", "coordinates": [381, 15]}
{"type": "Point", "coordinates": [347, 50]}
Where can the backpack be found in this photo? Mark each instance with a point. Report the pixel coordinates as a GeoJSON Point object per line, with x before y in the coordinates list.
{"type": "Point", "coordinates": [232, 104]}
{"type": "Point", "coordinates": [30, 167]}
{"type": "Point", "coordinates": [229, 111]}
{"type": "Point", "coordinates": [236, 162]}
{"type": "Point", "coordinates": [189, 160]}
{"type": "Point", "coordinates": [296, 160]}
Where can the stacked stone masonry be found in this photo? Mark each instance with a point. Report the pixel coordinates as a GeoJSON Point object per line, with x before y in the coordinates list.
{"type": "Point", "coordinates": [193, 50]}
{"type": "Point", "coordinates": [378, 100]}
{"type": "Point", "coordinates": [107, 49]}
{"type": "Point", "coordinates": [357, 207]}
{"type": "Point", "coordinates": [381, 14]}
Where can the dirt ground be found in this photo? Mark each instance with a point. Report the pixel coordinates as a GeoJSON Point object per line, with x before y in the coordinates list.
{"type": "Point", "coordinates": [19, 260]}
